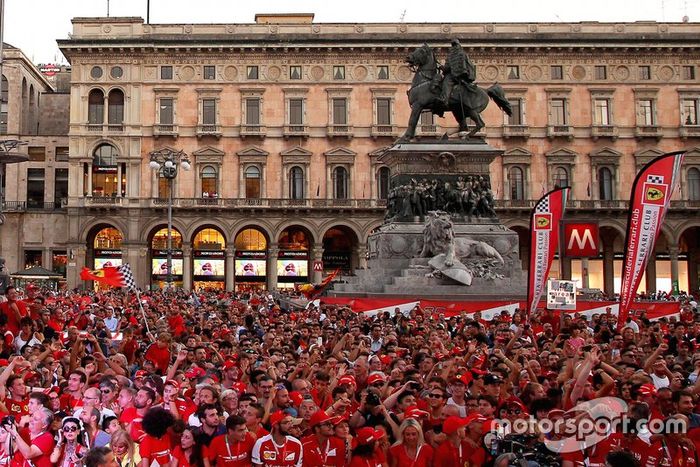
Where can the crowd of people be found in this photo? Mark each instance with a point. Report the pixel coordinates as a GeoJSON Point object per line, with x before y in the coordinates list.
{"type": "Point", "coordinates": [222, 379]}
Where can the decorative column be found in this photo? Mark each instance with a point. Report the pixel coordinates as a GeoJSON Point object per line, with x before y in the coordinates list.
{"type": "Point", "coordinates": [272, 252]}
{"type": "Point", "coordinates": [119, 179]}
{"type": "Point", "coordinates": [187, 266]}
{"type": "Point", "coordinates": [651, 276]}
{"type": "Point", "coordinates": [76, 262]}
{"type": "Point", "coordinates": [609, 269]}
{"type": "Point", "coordinates": [316, 255]}
{"type": "Point", "coordinates": [585, 277]}
{"type": "Point", "coordinates": [674, 251]}
{"type": "Point", "coordinates": [136, 255]}
{"type": "Point", "coordinates": [565, 269]}
{"type": "Point", "coordinates": [89, 179]}
{"type": "Point", "coordinates": [230, 269]}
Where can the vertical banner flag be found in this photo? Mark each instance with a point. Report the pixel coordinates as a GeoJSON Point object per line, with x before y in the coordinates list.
{"type": "Point", "coordinates": [651, 195]}
{"type": "Point", "coordinates": [544, 242]}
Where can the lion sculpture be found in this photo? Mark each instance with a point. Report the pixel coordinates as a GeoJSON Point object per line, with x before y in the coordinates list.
{"type": "Point", "coordinates": [439, 239]}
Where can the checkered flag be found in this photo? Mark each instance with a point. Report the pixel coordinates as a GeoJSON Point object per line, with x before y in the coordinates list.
{"type": "Point", "coordinates": [542, 205]}
{"type": "Point", "coordinates": [655, 179]}
{"type": "Point", "coordinates": [127, 276]}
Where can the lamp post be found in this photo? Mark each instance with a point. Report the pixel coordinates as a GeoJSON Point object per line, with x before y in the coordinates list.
{"type": "Point", "coordinates": [167, 161]}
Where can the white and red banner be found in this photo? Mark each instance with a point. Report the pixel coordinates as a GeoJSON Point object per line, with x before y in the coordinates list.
{"type": "Point", "coordinates": [492, 308]}
{"type": "Point", "coordinates": [544, 241]}
{"type": "Point", "coordinates": [651, 195]}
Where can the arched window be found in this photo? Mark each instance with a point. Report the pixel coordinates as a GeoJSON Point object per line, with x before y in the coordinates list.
{"type": "Point", "coordinates": [209, 182]}
{"type": "Point", "coordinates": [383, 183]}
{"type": "Point", "coordinates": [694, 184]}
{"type": "Point", "coordinates": [517, 184]}
{"type": "Point", "coordinates": [561, 177]}
{"type": "Point", "coordinates": [96, 107]}
{"type": "Point", "coordinates": [340, 183]}
{"type": "Point", "coordinates": [253, 182]}
{"type": "Point", "coordinates": [605, 183]}
{"type": "Point", "coordinates": [115, 109]}
{"type": "Point", "coordinates": [3, 105]}
{"type": "Point", "coordinates": [104, 171]}
{"type": "Point", "coordinates": [296, 183]}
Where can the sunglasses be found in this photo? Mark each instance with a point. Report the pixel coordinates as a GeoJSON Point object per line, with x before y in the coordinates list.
{"type": "Point", "coordinates": [70, 429]}
{"type": "Point", "coordinates": [435, 396]}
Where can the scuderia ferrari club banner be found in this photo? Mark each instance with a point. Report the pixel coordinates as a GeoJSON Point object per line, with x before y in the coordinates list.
{"type": "Point", "coordinates": [651, 196]}
{"type": "Point", "coordinates": [544, 241]}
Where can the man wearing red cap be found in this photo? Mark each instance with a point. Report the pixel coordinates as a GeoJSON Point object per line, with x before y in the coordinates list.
{"type": "Point", "coordinates": [233, 449]}
{"type": "Point", "coordinates": [454, 450]}
{"type": "Point", "coordinates": [180, 407]}
{"type": "Point", "coordinates": [278, 449]}
{"type": "Point", "coordinates": [322, 448]}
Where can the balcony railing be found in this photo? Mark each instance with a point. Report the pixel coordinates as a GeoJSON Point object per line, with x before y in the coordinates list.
{"type": "Point", "coordinates": [560, 131]}
{"type": "Point", "coordinates": [689, 131]}
{"type": "Point", "coordinates": [383, 130]}
{"type": "Point", "coordinates": [103, 201]}
{"type": "Point", "coordinates": [162, 129]}
{"type": "Point", "coordinates": [427, 130]}
{"type": "Point", "coordinates": [296, 130]}
{"type": "Point", "coordinates": [23, 206]}
{"type": "Point", "coordinates": [571, 204]}
{"type": "Point", "coordinates": [253, 130]}
{"type": "Point", "coordinates": [340, 130]}
{"type": "Point", "coordinates": [648, 131]}
{"type": "Point", "coordinates": [516, 131]}
{"type": "Point", "coordinates": [115, 127]}
{"type": "Point", "coordinates": [94, 127]}
{"type": "Point", "coordinates": [604, 131]}
{"type": "Point", "coordinates": [208, 130]}
{"type": "Point", "coordinates": [267, 203]}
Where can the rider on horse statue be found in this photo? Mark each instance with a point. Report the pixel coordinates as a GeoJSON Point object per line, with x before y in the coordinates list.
{"type": "Point", "coordinates": [458, 69]}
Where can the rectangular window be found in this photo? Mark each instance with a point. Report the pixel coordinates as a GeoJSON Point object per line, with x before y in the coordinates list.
{"type": "Point", "coordinates": [645, 72]}
{"type": "Point", "coordinates": [601, 112]}
{"type": "Point", "coordinates": [35, 188]}
{"type": "Point", "coordinates": [59, 260]}
{"type": "Point", "coordinates": [688, 72]}
{"type": "Point", "coordinates": [383, 111]}
{"type": "Point", "coordinates": [252, 111]}
{"type": "Point", "coordinates": [513, 72]}
{"type": "Point", "coordinates": [36, 153]}
{"type": "Point", "coordinates": [32, 258]}
{"type": "Point", "coordinates": [339, 72]}
{"type": "Point", "coordinates": [646, 112]}
{"type": "Point", "coordinates": [558, 112]}
{"type": "Point", "coordinates": [3, 104]}
{"type": "Point", "coordinates": [295, 72]}
{"type": "Point", "coordinates": [60, 192]}
{"type": "Point", "coordinates": [208, 111]}
{"type": "Point", "coordinates": [383, 72]}
{"type": "Point", "coordinates": [252, 72]}
{"type": "Point", "coordinates": [209, 72]}
{"type": "Point", "coordinates": [61, 154]}
{"type": "Point", "coordinates": [427, 118]}
{"type": "Point", "coordinates": [340, 111]}
{"type": "Point", "coordinates": [166, 72]}
{"type": "Point", "coordinates": [690, 112]}
{"type": "Point", "coordinates": [296, 111]}
{"type": "Point", "coordinates": [516, 117]}
{"type": "Point", "coordinates": [601, 72]}
{"type": "Point", "coordinates": [166, 111]}
{"type": "Point", "coordinates": [556, 72]}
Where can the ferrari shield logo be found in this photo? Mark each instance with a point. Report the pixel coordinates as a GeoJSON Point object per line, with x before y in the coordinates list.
{"type": "Point", "coordinates": [655, 193]}
{"type": "Point", "coordinates": [543, 221]}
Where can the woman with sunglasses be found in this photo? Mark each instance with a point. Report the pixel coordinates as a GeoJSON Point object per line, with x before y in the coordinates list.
{"type": "Point", "coordinates": [69, 450]}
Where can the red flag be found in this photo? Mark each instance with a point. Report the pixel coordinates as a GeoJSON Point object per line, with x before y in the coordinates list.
{"type": "Point", "coordinates": [312, 290]}
{"type": "Point", "coordinates": [108, 276]}
{"type": "Point", "coordinates": [544, 242]}
{"type": "Point", "coordinates": [651, 195]}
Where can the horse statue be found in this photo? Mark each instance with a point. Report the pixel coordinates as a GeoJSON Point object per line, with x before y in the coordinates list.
{"type": "Point", "coordinates": [465, 101]}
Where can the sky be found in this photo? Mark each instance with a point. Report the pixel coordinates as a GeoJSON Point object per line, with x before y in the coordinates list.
{"type": "Point", "coordinates": [34, 25]}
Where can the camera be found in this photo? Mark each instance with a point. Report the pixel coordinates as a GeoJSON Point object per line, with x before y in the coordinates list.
{"type": "Point", "coordinates": [372, 399]}
{"type": "Point", "coordinates": [7, 420]}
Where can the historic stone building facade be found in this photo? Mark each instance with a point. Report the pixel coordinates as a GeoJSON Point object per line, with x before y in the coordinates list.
{"type": "Point", "coordinates": [34, 194]}
{"type": "Point", "coordinates": [283, 120]}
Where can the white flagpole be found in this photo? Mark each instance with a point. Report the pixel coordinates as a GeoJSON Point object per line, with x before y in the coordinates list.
{"type": "Point", "coordinates": [143, 313]}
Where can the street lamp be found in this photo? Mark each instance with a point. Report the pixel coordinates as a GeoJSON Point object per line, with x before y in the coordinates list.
{"type": "Point", "coordinates": [167, 161]}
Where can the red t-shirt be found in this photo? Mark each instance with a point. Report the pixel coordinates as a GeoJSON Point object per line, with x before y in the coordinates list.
{"type": "Point", "coordinates": [159, 357]}
{"type": "Point", "coordinates": [331, 453]}
{"type": "Point", "coordinates": [228, 454]}
{"type": "Point", "coordinates": [45, 443]}
{"type": "Point", "coordinates": [447, 454]}
{"type": "Point", "coordinates": [181, 457]}
{"type": "Point", "coordinates": [17, 408]}
{"type": "Point", "coordinates": [265, 452]}
{"type": "Point", "coordinates": [662, 454]}
{"type": "Point", "coordinates": [373, 461]}
{"type": "Point", "coordinates": [12, 321]}
{"type": "Point", "coordinates": [423, 459]}
{"type": "Point", "coordinates": [156, 449]}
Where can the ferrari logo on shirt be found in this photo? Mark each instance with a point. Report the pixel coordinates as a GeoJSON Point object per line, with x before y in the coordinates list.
{"type": "Point", "coordinates": [290, 457]}
{"type": "Point", "coordinates": [269, 455]}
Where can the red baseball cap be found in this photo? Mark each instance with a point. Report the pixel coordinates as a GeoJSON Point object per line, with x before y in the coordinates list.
{"type": "Point", "coordinates": [647, 389]}
{"type": "Point", "coordinates": [296, 398]}
{"type": "Point", "coordinates": [452, 424]}
{"type": "Point", "coordinates": [277, 417]}
{"type": "Point", "coordinates": [319, 417]}
{"type": "Point", "coordinates": [375, 378]}
{"type": "Point", "coordinates": [173, 383]}
{"type": "Point", "coordinates": [240, 387]}
{"type": "Point", "coordinates": [229, 364]}
{"type": "Point", "coordinates": [414, 412]}
{"type": "Point", "coordinates": [465, 378]}
{"type": "Point", "coordinates": [347, 380]}
{"type": "Point", "coordinates": [367, 435]}
{"type": "Point", "coordinates": [140, 374]}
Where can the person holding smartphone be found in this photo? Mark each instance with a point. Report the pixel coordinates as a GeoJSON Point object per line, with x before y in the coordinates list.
{"type": "Point", "coordinates": [69, 450]}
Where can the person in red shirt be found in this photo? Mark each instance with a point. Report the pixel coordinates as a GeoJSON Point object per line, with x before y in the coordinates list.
{"type": "Point", "coordinates": [155, 446]}
{"type": "Point", "coordinates": [453, 450]}
{"type": "Point", "coordinates": [73, 394]}
{"type": "Point", "coordinates": [234, 449]}
{"type": "Point", "coordinates": [14, 309]}
{"type": "Point", "coordinates": [278, 449]}
{"type": "Point", "coordinates": [365, 452]}
{"type": "Point", "coordinates": [670, 450]}
{"type": "Point", "coordinates": [41, 444]}
{"type": "Point", "coordinates": [410, 449]}
{"type": "Point", "coordinates": [322, 448]}
{"type": "Point", "coordinates": [14, 392]}
{"type": "Point", "coordinates": [159, 353]}
{"type": "Point", "coordinates": [180, 407]}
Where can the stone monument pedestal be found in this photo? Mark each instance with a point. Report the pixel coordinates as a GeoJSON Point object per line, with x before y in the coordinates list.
{"type": "Point", "coordinates": [451, 176]}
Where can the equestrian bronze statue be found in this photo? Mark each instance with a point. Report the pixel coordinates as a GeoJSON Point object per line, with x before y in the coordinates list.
{"type": "Point", "coordinates": [449, 87]}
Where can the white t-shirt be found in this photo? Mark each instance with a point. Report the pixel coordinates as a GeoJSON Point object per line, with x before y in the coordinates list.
{"type": "Point", "coordinates": [660, 382]}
